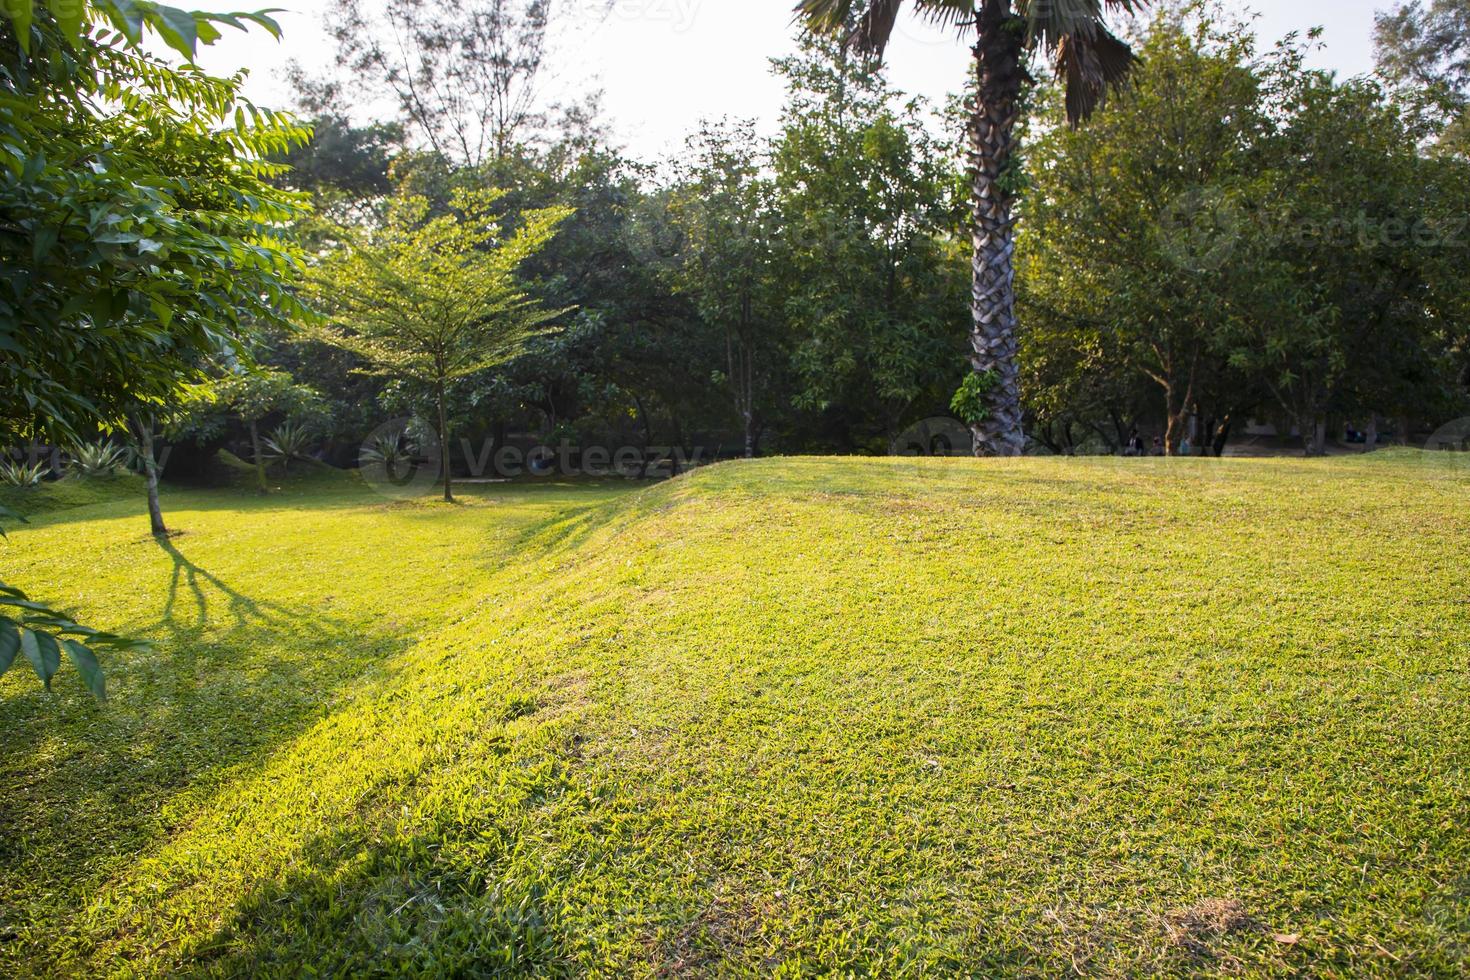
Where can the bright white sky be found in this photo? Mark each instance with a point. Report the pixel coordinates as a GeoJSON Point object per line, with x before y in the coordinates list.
{"type": "Point", "coordinates": [665, 64]}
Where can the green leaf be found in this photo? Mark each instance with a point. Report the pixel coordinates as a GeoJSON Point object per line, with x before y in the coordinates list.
{"type": "Point", "coordinates": [263, 18]}
{"type": "Point", "coordinates": [10, 600]}
{"type": "Point", "coordinates": [87, 665]}
{"type": "Point", "coordinates": [177, 28]}
{"type": "Point", "coordinates": [9, 643]}
{"type": "Point", "coordinates": [21, 14]}
{"type": "Point", "coordinates": [43, 243]}
{"type": "Point", "coordinates": [68, 14]}
{"type": "Point", "coordinates": [42, 652]}
{"type": "Point", "coordinates": [126, 16]}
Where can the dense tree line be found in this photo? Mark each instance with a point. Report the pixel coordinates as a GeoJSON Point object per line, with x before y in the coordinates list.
{"type": "Point", "coordinates": [1229, 237]}
{"type": "Point", "coordinates": [1232, 237]}
{"type": "Point", "coordinates": [1239, 237]}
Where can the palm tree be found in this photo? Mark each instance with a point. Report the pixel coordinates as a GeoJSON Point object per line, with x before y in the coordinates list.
{"type": "Point", "coordinates": [1087, 59]}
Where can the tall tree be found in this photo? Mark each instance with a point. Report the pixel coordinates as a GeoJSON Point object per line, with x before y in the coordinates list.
{"type": "Point", "coordinates": [872, 281]}
{"type": "Point", "coordinates": [1424, 53]}
{"type": "Point", "coordinates": [724, 209]}
{"type": "Point", "coordinates": [1246, 236]}
{"type": "Point", "coordinates": [434, 299]}
{"type": "Point", "coordinates": [464, 72]}
{"type": "Point", "coordinates": [1140, 242]}
{"type": "Point", "coordinates": [142, 237]}
{"type": "Point", "coordinates": [1087, 58]}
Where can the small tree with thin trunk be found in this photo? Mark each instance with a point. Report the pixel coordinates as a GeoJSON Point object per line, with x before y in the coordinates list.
{"type": "Point", "coordinates": [429, 299]}
{"type": "Point", "coordinates": [142, 424]}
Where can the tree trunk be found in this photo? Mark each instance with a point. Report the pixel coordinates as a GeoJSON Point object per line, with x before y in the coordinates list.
{"type": "Point", "coordinates": [1174, 434]}
{"type": "Point", "coordinates": [259, 458]}
{"type": "Point", "coordinates": [444, 449]}
{"type": "Point", "coordinates": [1370, 438]}
{"type": "Point", "coordinates": [1315, 434]}
{"type": "Point", "coordinates": [1001, 76]}
{"type": "Point", "coordinates": [1220, 437]}
{"type": "Point", "coordinates": [749, 435]}
{"type": "Point", "coordinates": [144, 435]}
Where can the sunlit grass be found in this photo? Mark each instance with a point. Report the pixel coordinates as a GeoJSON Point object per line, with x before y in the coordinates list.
{"type": "Point", "coordinates": [785, 716]}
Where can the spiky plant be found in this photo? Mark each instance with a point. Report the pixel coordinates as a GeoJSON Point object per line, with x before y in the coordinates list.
{"type": "Point", "coordinates": [98, 459]}
{"type": "Point", "coordinates": [21, 474]}
{"type": "Point", "coordinates": [289, 441]}
{"type": "Point", "coordinates": [391, 452]}
{"type": "Point", "coordinates": [1086, 57]}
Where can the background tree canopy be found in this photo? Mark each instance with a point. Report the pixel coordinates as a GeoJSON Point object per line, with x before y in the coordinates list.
{"type": "Point", "coordinates": [1187, 269]}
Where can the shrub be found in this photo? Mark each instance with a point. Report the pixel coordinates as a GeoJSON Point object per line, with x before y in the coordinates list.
{"type": "Point", "coordinates": [289, 441]}
{"type": "Point", "coordinates": [101, 459]}
{"type": "Point", "coordinates": [13, 474]}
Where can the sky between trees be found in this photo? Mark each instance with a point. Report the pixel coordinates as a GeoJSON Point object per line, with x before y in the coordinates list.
{"type": "Point", "coordinates": [665, 64]}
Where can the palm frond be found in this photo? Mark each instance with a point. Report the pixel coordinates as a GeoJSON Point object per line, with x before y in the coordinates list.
{"type": "Point", "coordinates": [1088, 64]}
{"type": "Point", "coordinates": [1050, 22]}
{"type": "Point", "coordinates": [867, 27]}
{"type": "Point", "coordinates": [1087, 57]}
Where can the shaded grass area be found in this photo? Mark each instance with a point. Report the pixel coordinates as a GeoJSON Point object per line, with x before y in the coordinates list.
{"type": "Point", "coordinates": [54, 496]}
{"type": "Point", "coordinates": [790, 716]}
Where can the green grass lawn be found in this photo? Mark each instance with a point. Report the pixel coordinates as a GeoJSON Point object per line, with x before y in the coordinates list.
{"type": "Point", "coordinates": [793, 716]}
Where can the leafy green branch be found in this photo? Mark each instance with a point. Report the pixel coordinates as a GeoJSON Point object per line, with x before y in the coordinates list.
{"type": "Point", "coordinates": [969, 403]}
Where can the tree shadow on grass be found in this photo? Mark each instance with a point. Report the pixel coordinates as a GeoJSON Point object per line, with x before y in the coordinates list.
{"type": "Point", "coordinates": [362, 903]}
{"type": "Point", "coordinates": [86, 787]}
{"type": "Point", "coordinates": [244, 610]}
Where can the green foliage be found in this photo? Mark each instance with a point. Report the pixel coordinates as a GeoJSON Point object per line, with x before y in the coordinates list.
{"type": "Point", "coordinates": [287, 442]}
{"type": "Point", "coordinates": [392, 452]}
{"type": "Point", "coordinates": [1271, 244]}
{"type": "Point", "coordinates": [1423, 51]}
{"type": "Point", "coordinates": [431, 298]}
{"type": "Point", "coordinates": [100, 459]}
{"type": "Point", "coordinates": [870, 280]}
{"type": "Point", "coordinates": [143, 233]}
{"type": "Point", "coordinates": [723, 207]}
{"type": "Point", "coordinates": [969, 402]}
{"type": "Point", "coordinates": [249, 395]}
{"type": "Point", "coordinates": [1073, 35]}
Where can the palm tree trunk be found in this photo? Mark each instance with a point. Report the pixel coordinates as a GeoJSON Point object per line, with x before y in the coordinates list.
{"type": "Point", "coordinates": [1001, 76]}
{"type": "Point", "coordinates": [143, 432]}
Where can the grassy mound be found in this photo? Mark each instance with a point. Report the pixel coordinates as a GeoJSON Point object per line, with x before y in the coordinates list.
{"type": "Point", "coordinates": [886, 716]}
{"type": "Point", "coordinates": [74, 491]}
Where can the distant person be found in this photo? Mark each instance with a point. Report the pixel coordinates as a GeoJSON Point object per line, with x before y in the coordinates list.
{"type": "Point", "coordinates": [1135, 444]}
{"type": "Point", "coordinates": [1158, 449]}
